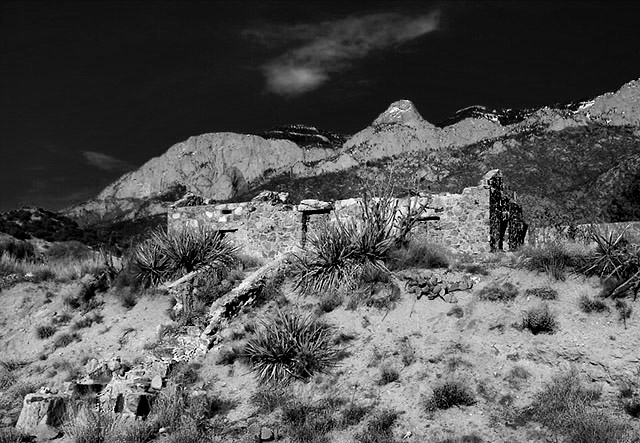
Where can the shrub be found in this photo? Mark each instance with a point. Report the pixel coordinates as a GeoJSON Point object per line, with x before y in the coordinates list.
{"type": "Point", "coordinates": [65, 339]}
{"type": "Point", "coordinates": [18, 249]}
{"type": "Point", "coordinates": [539, 320]}
{"type": "Point", "coordinates": [388, 375]}
{"type": "Point", "coordinates": [128, 298]}
{"type": "Point", "coordinates": [353, 414]}
{"type": "Point", "coordinates": [378, 429]}
{"type": "Point", "coordinates": [12, 435]}
{"type": "Point", "coordinates": [413, 255]}
{"type": "Point", "coordinates": [493, 292]}
{"type": "Point", "coordinates": [310, 422]}
{"type": "Point", "coordinates": [449, 394]}
{"type": "Point", "coordinates": [516, 375]}
{"type": "Point", "coordinates": [561, 400]}
{"type": "Point", "coordinates": [270, 398]}
{"type": "Point", "coordinates": [86, 321]}
{"type": "Point", "coordinates": [552, 258]}
{"type": "Point", "coordinates": [45, 331]}
{"type": "Point", "coordinates": [289, 346]}
{"type": "Point", "coordinates": [473, 268]}
{"type": "Point", "coordinates": [589, 305]}
{"type": "Point", "coordinates": [543, 293]}
{"type": "Point", "coordinates": [470, 438]}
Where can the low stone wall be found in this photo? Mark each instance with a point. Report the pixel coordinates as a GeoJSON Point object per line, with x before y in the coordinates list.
{"type": "Point", "coordinates": [260, 229]}
{"type": "Point", "coordinates": [475, 221]}
{"type": "Point", "coordinates": [581, 233]}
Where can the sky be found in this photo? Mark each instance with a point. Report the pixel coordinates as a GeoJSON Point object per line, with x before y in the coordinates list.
{"type": "Point", "coordinates": [91, 90]}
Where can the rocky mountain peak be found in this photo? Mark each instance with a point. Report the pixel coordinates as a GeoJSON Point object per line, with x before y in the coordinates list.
{"type": "Point", "coordinates": [401, 112]}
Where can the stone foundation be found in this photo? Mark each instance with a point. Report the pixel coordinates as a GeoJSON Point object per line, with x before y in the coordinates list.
{"type": "Point", "coordinates": [482, 218]}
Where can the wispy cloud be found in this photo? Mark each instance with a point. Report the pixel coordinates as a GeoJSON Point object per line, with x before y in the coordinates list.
{"type": "Point", "coordinates": [329, 47]}
{"type": "Point", "coordinates": [106, 162]}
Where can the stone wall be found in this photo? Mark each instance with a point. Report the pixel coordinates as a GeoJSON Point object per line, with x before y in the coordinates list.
{"type": "Point", "coordinates": [581, 233]}
{"type": "Point", "coordinates": [482, 218]}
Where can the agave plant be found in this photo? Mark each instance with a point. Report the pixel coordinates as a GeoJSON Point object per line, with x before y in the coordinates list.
{"type": "Point", "coordinates": [165, 255]}
{"type": "Point", "coordinates": [151, 261]}
{"type": "Point", "coordinates": [615, 259]}
{"type": "Point", "coordinates": [288, 346]}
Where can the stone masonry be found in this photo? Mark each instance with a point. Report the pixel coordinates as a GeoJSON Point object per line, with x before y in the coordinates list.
{"type": "Point", "coordinates": [483, 218]}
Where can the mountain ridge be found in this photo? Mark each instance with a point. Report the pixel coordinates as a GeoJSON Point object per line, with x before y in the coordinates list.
{"type": "Point", "coordinates": [225, 166]}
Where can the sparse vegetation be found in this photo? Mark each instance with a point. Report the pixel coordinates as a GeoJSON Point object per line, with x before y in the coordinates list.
{"type": "Point", "coordinates": [379, 428]}
{"type": "Point", "coordinates": [552, 258]}
{"type": "Point", "coordinates": [494, 292]}
{"type": "Point", "coordinates": [308, 422]}
{"type": "Point", "coordinates": [290, 346]}
{"type": "Point", "coordinates": [624, 311]}
{"type": "Point", "coordinates": [448, 394]}
{"type": "Point", "coordinates": [388, 374]}
{"type": "Point", "coordinates": [45, 331]}
{"type": "Point", "coordinates": [589, 304]}
{"type": "Point", "coordinates": [413, 254]}
{"type": "Point", "coordinates": [65, 339]}
{"type": "Point", "coordinates": [539, 320]}
{"type": "Point", "coordinates": [542, 293]}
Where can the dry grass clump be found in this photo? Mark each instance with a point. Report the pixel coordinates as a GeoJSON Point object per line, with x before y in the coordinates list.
{"type": "Point", "coordinates": [448, 394]}
{"type": "Point", "coordinates": [567, 407]}
{"type": "Point", "coordinates": [471, 438]}
{"type": "Point", "coordinates": [388, 374]}
{"type": "Point", "coordinates": [588, 304]}
{"type": "Point", "coordinates": [379, 428]}
{"type": "Point", "coordinates": [539, 320]}
{"type": "Point", "coordinates": [554, 258]}
{"type": "Point", "coordinates": [290, 346]}
{"type": "Point", "coordinates": [413, 254]}
{"type": "Point", "coordinates": [542, 293]}
{"type": "Point", "coordinates": [45, 331]}
{"type": "Point", "coordinates": [310, 422]}
{"type": "Point", "coordinates": [63, 270]}
{"type": "Point", "coordinates": [494, 292]}
{"type": "Point", "coordinates": [65, 339]}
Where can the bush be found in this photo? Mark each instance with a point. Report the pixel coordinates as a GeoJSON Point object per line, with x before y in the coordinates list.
{"type": "Point", "coordinates": [416, 255]}
{"type": "Point", "coordinates": [589, 305]}
{"type": "Point", "coordinates": [378, 429]}
{"type": "Point", "coordinates": [65, 339]}
{"type": "Point", "coordinates": [552, 258]}
{"type": "Point", "coordinates": [329, 302]}
{"type": "Point", "coordinates": [539, 320]}
{"type": "Point", "coordinates": [543, 293]}
{"type": "Point", "coordinates": [493, 292]}
{"type": "Point", "coordinates": [18, 249]}
{"type": "Point", "coordinates": [388, 375]}
{"type": "Point", "coordinates": [310, 422]}
{"type": "Point", "coordinates": [449, 394]}
{"type": "Point", "coordinates": [269, 398]}
{"type": "Point", "coordinates": [45, 331]}
{"type": "Point", "coordinates": [289, 346]}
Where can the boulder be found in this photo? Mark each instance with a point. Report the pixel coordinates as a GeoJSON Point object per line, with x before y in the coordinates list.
{"type": "Point", "coordinates": [309, 205]}
{"type": "Point", "coordinates": [41, 408]}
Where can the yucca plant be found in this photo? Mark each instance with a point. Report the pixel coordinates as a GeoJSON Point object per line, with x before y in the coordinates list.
{"type": "Point", "coordinates": [615, 260]}
{"type": "Point", "coordinates": [165, 254]}
{"type": "Point", "coordinates": [151, 261]}
{"type": "Point", "coordinates": [330, 259]}
{"type": "Point", "coordinates": [289, 346]}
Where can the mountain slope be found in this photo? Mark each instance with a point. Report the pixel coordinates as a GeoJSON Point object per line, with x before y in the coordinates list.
{"type": "Point", "coordinates": [563, 149]}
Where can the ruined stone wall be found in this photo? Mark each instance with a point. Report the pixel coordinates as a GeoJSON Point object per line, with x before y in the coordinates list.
{"type": "Point", "coordinates": [477, 220]}
{"type": "Point", "coordinates": [259, 229]}
{"type": "Point", "coordinates": [581, 233]}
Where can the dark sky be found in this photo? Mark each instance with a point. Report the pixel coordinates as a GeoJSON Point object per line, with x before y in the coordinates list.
{"type": "Point", "coordinates": [89, 90]}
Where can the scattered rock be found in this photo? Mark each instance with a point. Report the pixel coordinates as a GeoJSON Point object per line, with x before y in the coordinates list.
{"type": "Point", "coordinates": [266, 434]}
{"type": "Point", "coordinates": [46, 432]}
{"type": "Point", "coordinates": [156, 383]}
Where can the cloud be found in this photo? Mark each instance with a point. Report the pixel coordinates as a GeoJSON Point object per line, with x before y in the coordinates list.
{"type": "Point", "coordinates": [333, 46]}
{"type": "Point", "coordinates": [106, 162]}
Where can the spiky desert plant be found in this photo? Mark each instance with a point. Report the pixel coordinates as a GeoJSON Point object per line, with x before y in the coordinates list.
{"type": "Point", "coordinates": [191, 249]}
{"type": "Point", "coordinates": [615, 260]}
{"type": "Point", "coordinates": [289, 346]}
{"type": "Point", "coordinates": [330, 259]}
{"type": "Point", "coordinates": [151, 261]}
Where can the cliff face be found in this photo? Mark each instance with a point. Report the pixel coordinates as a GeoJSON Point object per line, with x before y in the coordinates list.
{"type": "Point", "coordinates": [222, 166]}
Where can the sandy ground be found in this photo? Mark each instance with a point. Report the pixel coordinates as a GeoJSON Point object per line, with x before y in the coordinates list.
{"type": "Point", "coordinates": [480, 348]}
